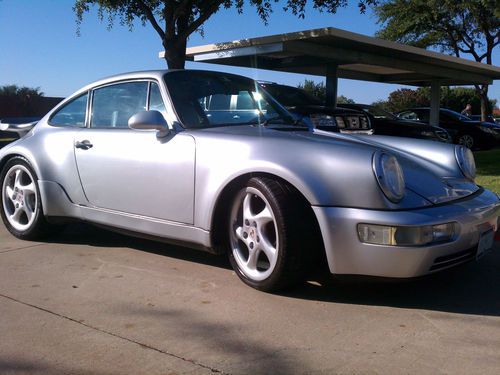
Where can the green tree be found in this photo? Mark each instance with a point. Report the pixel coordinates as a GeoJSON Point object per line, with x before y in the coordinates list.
{"type": "Point", "coordinates": [318, 90]}
{"type": "Point", "coordinates": [403, 99]}
{"type": "Point", "coordinates": [24, 93]}
{"type": "Point", "coordinates": [459, 27]}
{"type": "Point", "coordinates": [454, 98]}
{"type": "Point", "coordinates": [175, 20]}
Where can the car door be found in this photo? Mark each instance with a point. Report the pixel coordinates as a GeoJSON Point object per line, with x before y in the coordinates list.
{"type": "Point", "coordinates": [133, 171]}
{"type": "Point", "coordinates": [452, 125]}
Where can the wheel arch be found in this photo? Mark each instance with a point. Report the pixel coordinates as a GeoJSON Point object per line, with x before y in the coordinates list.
{"type": "Point", "coordinates": [28, 157]}
{"type": "Point", "coordinates": [225, 197]}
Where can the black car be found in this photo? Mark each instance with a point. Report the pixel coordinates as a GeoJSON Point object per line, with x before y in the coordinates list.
{"type": "Point", "coordinates": [312, 111]}
{"type": "Point", "coordinates": [385, 123]}
{"type": "Point", "coordinates": [471, 133]}
{"type": "Point", "coordinates": [7, 137]}
{"type": "Point", "coordinates": [489, 118]}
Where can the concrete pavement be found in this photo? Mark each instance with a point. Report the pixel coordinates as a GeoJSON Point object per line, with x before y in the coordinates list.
{"type": "Point", "coordinates": [90, 301]}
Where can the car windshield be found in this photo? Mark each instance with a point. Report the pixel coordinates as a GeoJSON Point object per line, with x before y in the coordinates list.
{"type": "Point", "coordinates": [379, 113]}
{"type": "Point", "coordinates": [209, 99]}
{"type": "Point", "coordinates": [456, 115]}
{"type": "Point", "coordinates": [291, 96]}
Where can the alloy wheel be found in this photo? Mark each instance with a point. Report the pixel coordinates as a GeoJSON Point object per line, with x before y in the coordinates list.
{"type": "Point", "coordinates": [254, 234]}
{"type": "Point", "coordinates": [20, 202]}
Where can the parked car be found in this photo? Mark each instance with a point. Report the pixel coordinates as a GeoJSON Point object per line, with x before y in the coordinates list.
{"type": "Point", "coordinates": [464, 131]}
{"type": "Point", "coordinates": [314, 113]}
{"type": "Point", "coordinates": [489, 118]}
{"type": "Point", "coordinates": [7, 137]}
{"type": "Point", "coordinates": [385, 123]}
{"type": "Point", "coordinates": [138, 153]}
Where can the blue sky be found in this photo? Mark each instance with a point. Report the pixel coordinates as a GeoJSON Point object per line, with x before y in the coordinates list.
{"type": "Point", "coordinates": [39, 46]}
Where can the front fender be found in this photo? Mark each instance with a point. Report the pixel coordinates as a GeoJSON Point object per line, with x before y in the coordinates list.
{"type": "Point", "coordinates": [339, 176]}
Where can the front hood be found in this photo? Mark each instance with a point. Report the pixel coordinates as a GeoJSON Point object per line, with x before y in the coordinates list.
{"type": "Point", "coordinates": [413, 125]}
{"type": "Point", "coordinates": [488, 125]}
{"type": "Point", "coordinates": [431, 173]}
{"type": "Point", "coordinates": [430, 168]}
{"type": "Point", "coordinates": [313, 109]}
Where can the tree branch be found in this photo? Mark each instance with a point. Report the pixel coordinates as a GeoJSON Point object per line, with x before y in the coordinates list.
{"type": "Point", "coordinates": [151, 18]}
{"type": "Point", "coordinates": [208, 11]}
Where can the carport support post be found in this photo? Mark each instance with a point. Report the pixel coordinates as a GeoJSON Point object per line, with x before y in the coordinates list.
{"type": "Point", "coordinates": [331, 86]}
{"type": "Point", "coordinates": [435, 96]}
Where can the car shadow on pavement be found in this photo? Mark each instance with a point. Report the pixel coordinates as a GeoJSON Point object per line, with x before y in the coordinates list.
{"type": "Point", "coordinates": [87, 234]}
{"type": "Point", "coordinates": [471, 288]}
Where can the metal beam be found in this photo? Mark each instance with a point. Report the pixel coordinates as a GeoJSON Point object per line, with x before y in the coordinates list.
{"type": "Point", "coordinates": [369, 58]}
{"type": "Point", "coordinates": [435, 96]}
{"type": "Point", "coordinates": [236, 51]}
{"type": "Point", "coordinates": [331, 86]}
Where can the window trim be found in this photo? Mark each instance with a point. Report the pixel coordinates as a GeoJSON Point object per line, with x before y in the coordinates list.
{"type": "Point", "coordinates": [114, 83]}
{"type": "Point", "coordinates": [63, 105]}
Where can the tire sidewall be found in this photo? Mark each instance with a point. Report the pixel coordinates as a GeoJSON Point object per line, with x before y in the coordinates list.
{"type": "Point", "coordinates": [273, 280]}
{"type": "Point", "coordinates": [39, 220]}
{"type": "Point", "coordinates": [469, 136]}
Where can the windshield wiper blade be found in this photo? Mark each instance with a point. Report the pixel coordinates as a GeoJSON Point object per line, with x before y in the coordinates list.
{"type": "Point", "coordinates": [282, 120]}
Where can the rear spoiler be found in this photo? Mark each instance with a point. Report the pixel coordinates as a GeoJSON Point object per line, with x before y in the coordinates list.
{"type": "Point", "coordinates": [21, 129]}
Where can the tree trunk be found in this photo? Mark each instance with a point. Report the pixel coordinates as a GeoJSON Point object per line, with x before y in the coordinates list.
{"type": "Point", "coordinates": [482, 91]}
{"type": "Point", "coordinates": [175, 57]}
{"type": "Point", "coordinates": [175, 45]}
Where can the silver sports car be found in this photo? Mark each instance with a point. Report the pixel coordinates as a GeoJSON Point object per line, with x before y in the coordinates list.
{"type": "Point", "coordinates": [159, 154]}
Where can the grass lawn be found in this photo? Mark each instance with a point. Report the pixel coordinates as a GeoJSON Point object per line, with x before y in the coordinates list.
{"type": "Point", "coordinates": [488, 169]}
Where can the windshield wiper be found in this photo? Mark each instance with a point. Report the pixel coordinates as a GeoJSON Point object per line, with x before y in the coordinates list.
{"type": "Point", "coordinates": [282, 120]}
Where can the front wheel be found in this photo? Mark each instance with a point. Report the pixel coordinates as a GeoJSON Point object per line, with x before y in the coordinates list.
{"type": "Point", "coordinates": [21, 210]}
{"type": "Point", "coordinates": [266, 246]}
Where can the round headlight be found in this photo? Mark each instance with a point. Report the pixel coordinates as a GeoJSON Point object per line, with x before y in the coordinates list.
{"type": "Point", "coordinates": [389, 176]}
{"type": "Point", "coordinates": [465, 160]}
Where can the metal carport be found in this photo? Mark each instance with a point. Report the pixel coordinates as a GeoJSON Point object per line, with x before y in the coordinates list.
{"type": "Point", "coordinates": [335, 53]}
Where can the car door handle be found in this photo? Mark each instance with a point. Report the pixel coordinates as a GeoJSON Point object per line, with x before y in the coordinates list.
{"type": "Point", "coordinates": [84, 145]}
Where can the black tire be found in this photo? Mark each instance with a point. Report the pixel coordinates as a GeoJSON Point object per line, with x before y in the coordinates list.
{"type": "Point", "coordinates": [23, 200]}
{"type": "Point", "coordinates": [466, 140]}
{"type": "Point", "coordinates": [287, 228]}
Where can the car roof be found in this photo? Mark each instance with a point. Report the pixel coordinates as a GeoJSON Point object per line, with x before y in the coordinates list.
{"type": "Point", "coordinates": [140, 74]}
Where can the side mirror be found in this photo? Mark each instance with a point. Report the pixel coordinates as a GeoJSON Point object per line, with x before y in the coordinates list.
{"type": "Point", "coordinates": [149, 120]}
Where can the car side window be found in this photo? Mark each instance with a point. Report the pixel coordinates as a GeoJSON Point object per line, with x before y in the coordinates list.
{"type": "Point", "coordinates": [423, 116]}
{"type": "Point", "coordinates": [113, 105]}
{"type": "Point", "coordinates": [72, 113]}
{"type": "Point", "coordinates": [219, 102]}
{"type": "Point", "coordinates": [409, 115]}
{"type": "Point", "coordinates": [155, 99]}
{"type": "Point", "coordinates": [244, 101]}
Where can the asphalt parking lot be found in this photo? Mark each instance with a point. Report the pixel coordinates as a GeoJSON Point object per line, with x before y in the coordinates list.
{"type": "Point", "coordinates": [90, 301]}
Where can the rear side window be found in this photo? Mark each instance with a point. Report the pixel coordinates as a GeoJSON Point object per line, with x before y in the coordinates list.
{"type": "Point", "coordinates": [72, 113]}
{"type": "Point", "coordinates": [113, 105]}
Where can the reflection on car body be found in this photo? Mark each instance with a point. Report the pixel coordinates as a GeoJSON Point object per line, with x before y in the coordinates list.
{"type": "Point", "coordinates": [314, 113]}
{"type": "Point", "coordinates": [385, 123]}
{"type": "Point", "coordinates": [147, 153]}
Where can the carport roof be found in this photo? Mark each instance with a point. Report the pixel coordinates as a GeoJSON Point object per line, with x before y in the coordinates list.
{"type": "Point", "coordinates": [356, 56]}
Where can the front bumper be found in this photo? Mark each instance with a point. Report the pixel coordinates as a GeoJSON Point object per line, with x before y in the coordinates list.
{"type": "Point", "coordinates": [346, 254]}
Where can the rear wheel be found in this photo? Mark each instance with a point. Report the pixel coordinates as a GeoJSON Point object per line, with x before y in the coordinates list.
{"type": "Point", "coordinates": [466, 140]}
{"type": "Point", "coordinates": [266, 246]}
{"type": "Point", "coordinates": [21, 210]}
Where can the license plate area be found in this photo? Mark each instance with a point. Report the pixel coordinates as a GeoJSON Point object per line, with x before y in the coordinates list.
{"type": "Point", "coordinates": [485, 243]}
